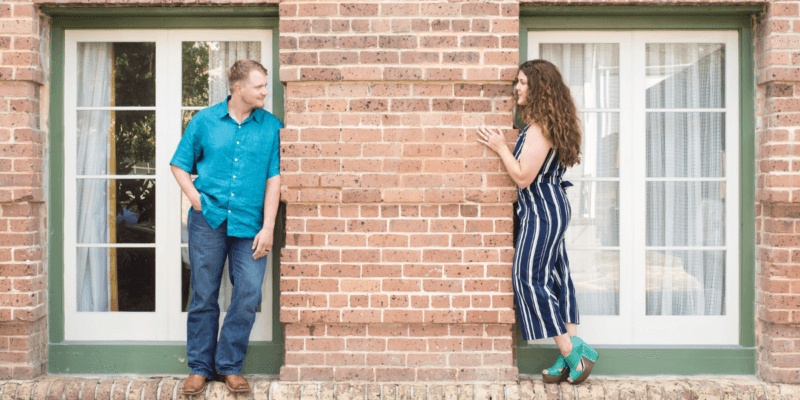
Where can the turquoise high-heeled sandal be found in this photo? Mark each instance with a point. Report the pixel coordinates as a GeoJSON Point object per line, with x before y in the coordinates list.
{"type": "Point", "coordinates": [581, 353]}
{"type": "Point", "coordinates": [558, 372]}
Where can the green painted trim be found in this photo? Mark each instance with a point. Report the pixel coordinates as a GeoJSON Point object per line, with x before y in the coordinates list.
{"type": "Point", "coordinates": [56, 182]}
{"type": "Point", "coordinates": [205, 22]}
{"type": "Point", "coordinates": [621, 22]}
{"type": "Point", "coordinates": [647, 11]}
{"type": "Point", "coordinates": [747, 189]}
{"type": "Point", "coordinates": [650, 361]}
{"type": "Point", "coordinates": [262, 358]}
{"type": "Point", "coordinates": [693, 360]}
{"type": "Point", "coordinates": [180, 12]}
{"type": "Point", "coordinates": [277, 99]}
{"type": "Point", "coordinates": [63, 357]}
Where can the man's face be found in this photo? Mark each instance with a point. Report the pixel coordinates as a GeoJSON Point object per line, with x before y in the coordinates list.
{"type": "Point", "coordinates": [254, 89]}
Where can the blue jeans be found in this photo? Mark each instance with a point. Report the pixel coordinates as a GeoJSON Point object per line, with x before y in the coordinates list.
{"type": "Point", "coordinates": [208, 249]}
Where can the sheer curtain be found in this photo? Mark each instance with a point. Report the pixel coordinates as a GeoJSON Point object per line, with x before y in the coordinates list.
{"type": "Point", "coordinates": [222, 55]}
{"type": "Point", "coordinates": [94, 89]}
{"type": "Point", "coordinates": [591, 71]}
{"type": "Point", "coordinates": [686, 144]}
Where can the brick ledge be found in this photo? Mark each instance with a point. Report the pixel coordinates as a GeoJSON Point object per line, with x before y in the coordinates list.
{"type": "Point", "coordinates": [269, 388]}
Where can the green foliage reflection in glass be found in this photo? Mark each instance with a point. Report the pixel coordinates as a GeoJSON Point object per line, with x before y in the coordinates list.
{"type": "Point", "coordinates": [195, 74]}
{"type": "Point", "coordinates": [135, 135]}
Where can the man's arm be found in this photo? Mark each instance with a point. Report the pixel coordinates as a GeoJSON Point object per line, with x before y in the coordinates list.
{"type": "Point", "coordinates": [262, 243]}
{"type": "Point", "coordinates": [186, 184]}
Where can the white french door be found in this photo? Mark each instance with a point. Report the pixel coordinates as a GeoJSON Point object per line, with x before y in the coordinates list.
{"type": "Point", "coordinates": [653, 241]}
{"type": "Point", "coordinates": [128, 97]}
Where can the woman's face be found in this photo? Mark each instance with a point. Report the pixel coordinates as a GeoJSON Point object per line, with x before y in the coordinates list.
{"type": "Point", "coordinates": [521, 87]}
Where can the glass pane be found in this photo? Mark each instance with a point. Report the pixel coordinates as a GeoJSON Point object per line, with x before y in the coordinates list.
{"type": "Point", "coordinates": [205, 69]}
{"type": "Point", "coordinates": [685, 214]}
{"type": "Point", "coordinates": [590, 70]}
{"type": "Point", "coordinates": [599, 147]}
{"type": "Point", "coordinates": [686, 144]}
{"type": "Point", "coordinates": [186, 116]}
{"type": "Point", "coordinates": [595, 214]}
{"type": "Point", "coordinates": [185, 206]}
{"type": "Point", "coordinates": [685, 282]}
{"type": "Point", "coordinates": [116, 143]}
{"type": "Point", "coordinates": [595, 274]}
{"type": "Point", "coordinates": [116, 279]}
{"type": "Point", "coordinates": [116, 210]}
{"type": "Point", "coordinates": [685, 75]}
{"type": "Point", "coordinates": [116, 74]}
{"type": "Point", "coordinates": [225, 289]}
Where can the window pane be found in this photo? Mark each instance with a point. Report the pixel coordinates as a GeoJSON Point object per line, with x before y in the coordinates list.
{"type": "Point", "coordinates": [590, 70]}
{"type": "Point", "coordinates": [205, 69]}
{"type": "Point", "coordinates": [116, 210]}
{"type": "Point", "coordinates": [595, 214]}
{"type": "Point", "coordinates": [595, 275]}
{"type": "Point", "coordinates": [116, 143]}
{"type": "Point", "coordinates": [225, 289]}
{"type": "Point", "coordinates": [185, 206]}
{"type": "Point", "coordinates": [685, 214]}
{"type": "Point", "coordinates": [685, 75]}
{"type": "Point", "coordinates": [116, 74]}
{"type": "Point", "coordinates": [686, 145]}
{"type": "Point", "coordinates": [116, 279]}
{"type": "Point", "coordinates": [186, 116]}
{"type": "Point", "coordinates": [599, 147]}
{"type": "Point", "coordinates": [685, 282]}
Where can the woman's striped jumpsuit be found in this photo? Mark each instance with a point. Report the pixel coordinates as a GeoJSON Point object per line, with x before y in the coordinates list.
{"type": "Point", "coordinates": [543, 289]}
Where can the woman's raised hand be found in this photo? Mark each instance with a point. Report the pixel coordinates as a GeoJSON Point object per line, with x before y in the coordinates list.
{"type": "Point", "coordinates": [492, 138]}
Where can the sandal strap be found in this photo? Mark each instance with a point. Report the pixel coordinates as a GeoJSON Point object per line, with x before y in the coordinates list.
{"type": "Point", "coordinates": [574, 374]}
{"type": "Point", "coordinates": [557, 368]}
{"type": "Point", "coordinates": [574, 358]}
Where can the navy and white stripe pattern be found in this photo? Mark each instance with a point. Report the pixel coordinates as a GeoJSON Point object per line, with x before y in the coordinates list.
{"type": "Point", "coordinates": [543, 289]}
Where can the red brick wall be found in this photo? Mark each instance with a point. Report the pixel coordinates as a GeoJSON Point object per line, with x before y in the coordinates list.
{"type": "Point", "coordinates": [778, 194]}
{"type": "Point", "coordinates": [398, 257]}
{"type": "Point", "coordinates": [23, 214]}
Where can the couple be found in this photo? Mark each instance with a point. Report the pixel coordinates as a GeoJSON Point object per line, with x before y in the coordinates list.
{"type": "Point", "coordinates": [231, 160]}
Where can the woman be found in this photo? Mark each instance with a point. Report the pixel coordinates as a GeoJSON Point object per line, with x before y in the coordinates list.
{"type": "Point", "coordinates": [550, 143]}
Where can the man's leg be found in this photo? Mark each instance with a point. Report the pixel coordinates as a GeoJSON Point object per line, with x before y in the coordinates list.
{"type": "Point", "coordinates": [207, 251]}
{"type": "Point", "coordinates": [247, 276]}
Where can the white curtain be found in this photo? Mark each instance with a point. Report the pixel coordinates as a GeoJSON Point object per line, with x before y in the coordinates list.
{"type": "Point", "coordinates": [591, 71]}
{"type": "Point", "coordinates": [680, 213]}
{"type": "Point", "coordinates": [94, 89]}
{"type": "Point", "coordinates": [222, 55]}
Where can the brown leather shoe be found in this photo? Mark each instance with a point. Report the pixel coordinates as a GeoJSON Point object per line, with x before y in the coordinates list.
{"type": "Point", "coordinates": [237, 384]}
{"type": "Point", "coordinates": [194, 384]}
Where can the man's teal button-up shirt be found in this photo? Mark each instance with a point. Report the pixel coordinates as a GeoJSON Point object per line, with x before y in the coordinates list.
{"type": "Point", "coordinates": [233, 164]}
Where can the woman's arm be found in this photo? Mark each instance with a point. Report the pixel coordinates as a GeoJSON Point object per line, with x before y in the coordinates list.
{"type": "Point", "coordinates": [534, 152]}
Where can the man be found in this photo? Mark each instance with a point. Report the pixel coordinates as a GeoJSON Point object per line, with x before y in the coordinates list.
{"type": "Point", "coordinates": [234, 146]}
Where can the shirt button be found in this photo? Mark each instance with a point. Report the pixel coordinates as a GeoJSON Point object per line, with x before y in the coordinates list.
{"type": "Point", "coordinates": [235, 159]}
{"type": "Point", "coordinates": [237, 142]}
{"type": "Point", "coordinates": [231, 194]}
{"type": "Point", "coordinates": [229, 211]}
{"type": "Point", "coordinates": [234, 177]}
{"type": "Point", "coordinates": [240, 127]}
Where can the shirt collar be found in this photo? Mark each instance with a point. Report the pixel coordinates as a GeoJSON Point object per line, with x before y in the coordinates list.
{"type": "Point", "coordinates": [222, 111]}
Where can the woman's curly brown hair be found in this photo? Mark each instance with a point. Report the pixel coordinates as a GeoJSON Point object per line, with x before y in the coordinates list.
{"type": "Point", "coordinates": [549, 104]}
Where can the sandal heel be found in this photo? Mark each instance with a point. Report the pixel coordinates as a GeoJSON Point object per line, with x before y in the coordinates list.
{"type": "Point", "coordinates": [589, 353]}
{"type": "Point", "coordinates": [587, 370]}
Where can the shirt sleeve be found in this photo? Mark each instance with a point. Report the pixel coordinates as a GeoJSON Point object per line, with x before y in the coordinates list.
{"type": "Point", "coordinates": [275, 157]}
{"type": "Point", "coordinates": [188, 151]}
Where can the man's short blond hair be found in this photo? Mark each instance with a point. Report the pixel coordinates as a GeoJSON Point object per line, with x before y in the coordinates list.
{"type": "Point", "coordinates": [240, 71]}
